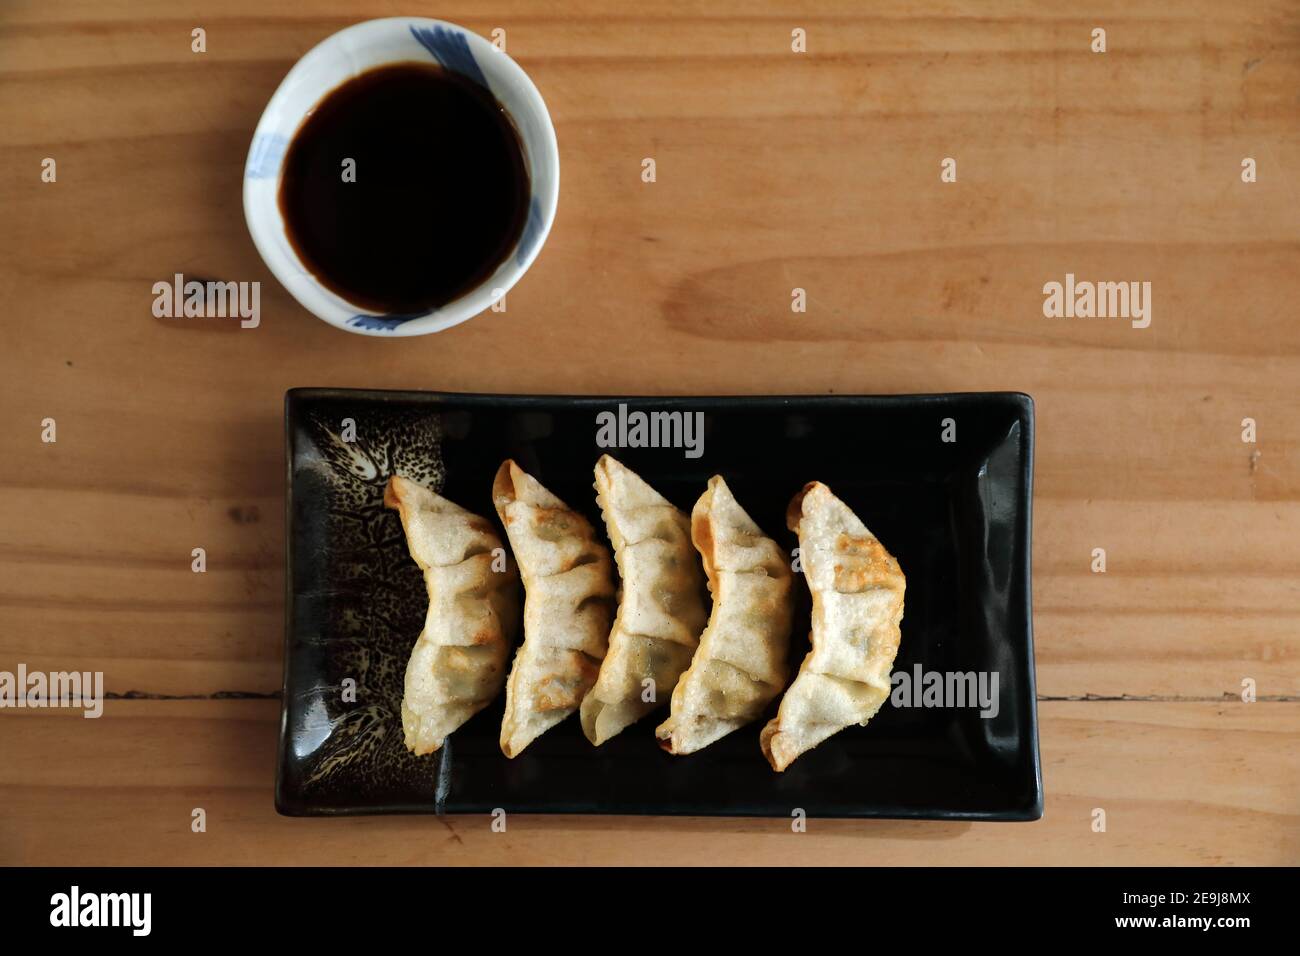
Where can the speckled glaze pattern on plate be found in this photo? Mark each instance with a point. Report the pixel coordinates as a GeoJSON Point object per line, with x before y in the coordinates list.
{"type": "Point", "coordinates": [374, 600]}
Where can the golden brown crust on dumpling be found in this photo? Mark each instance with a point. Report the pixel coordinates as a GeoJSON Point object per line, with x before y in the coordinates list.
{"type": "Point", "coordinates": [458, 663]}
{"type": "Point", "coordinates": [857, 589]}
{"type": "Point", "coordinates": [661, 610]}
{"type": "Point", "coordinates": [568, 604]}
{"type": "Point", "coordinates": [741, 663]}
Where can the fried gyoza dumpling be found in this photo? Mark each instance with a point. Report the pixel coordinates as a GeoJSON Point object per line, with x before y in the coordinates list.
{"type": "Point", "coordinates": [857, 593]}
{"type": "Point", "coordinates": [661, 610]}
{"type": "Point", "coordinates": [568, 603]}
{"type": "Point", "coordinates": [741, 664]}
{"type": "Point", "coordinates": [458, 663]}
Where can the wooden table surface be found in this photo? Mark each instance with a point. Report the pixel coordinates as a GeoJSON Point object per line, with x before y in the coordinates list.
{"type": "Point", "coordinates": [775, 170]}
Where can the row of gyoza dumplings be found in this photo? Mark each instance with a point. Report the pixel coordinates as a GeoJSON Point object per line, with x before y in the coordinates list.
{"type": "Point", "coordinates": [720, 668]}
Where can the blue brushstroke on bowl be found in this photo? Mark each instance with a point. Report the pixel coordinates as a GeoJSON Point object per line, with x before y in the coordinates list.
{"type": "Point", "coordinates": [451, 50]}
{"type": "Point", "coordinates": [264, 158]}
{"type": "Point", "coordinates": [383, 323]}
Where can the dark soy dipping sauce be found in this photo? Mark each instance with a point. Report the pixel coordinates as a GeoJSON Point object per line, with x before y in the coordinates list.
{"type": "Point", "coordinates": [440, 196]}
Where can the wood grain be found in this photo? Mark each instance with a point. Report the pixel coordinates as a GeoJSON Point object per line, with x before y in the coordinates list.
{"type": "Point", "coordinates": [1185, 783]}
{"type": "Point", "coordinates": [775, 170]}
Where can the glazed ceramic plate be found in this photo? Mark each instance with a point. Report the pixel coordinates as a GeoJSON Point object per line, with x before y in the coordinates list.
{"type": "Point", "coordinates": [955, 513]}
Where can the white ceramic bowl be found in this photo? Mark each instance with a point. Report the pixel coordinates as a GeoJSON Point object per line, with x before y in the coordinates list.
{"type": "Point", "coordinates": [343, 56]}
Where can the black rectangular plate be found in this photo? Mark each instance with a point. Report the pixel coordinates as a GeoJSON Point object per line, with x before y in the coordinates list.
{"type": "Point", "coordinates": [956, 515]}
